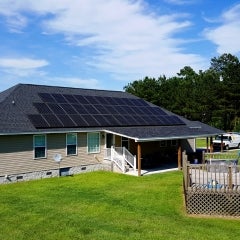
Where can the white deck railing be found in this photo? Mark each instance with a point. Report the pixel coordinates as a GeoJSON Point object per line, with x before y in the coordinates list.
{"type": "Point", "coordinates": [121, 156]}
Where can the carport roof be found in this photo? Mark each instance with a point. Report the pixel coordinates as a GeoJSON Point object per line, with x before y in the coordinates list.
{"type": "Point", "coordinates": [193, 129]}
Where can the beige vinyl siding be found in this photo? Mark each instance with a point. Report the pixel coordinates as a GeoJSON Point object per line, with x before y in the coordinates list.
{"type": "Point", "coordinates": [17, 156]}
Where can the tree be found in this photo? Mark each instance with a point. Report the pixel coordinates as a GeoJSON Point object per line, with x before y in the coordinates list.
{"type": "Point", "coordinates": [211, 96]}
{"type": "Point", "coordinates": [227, 67]}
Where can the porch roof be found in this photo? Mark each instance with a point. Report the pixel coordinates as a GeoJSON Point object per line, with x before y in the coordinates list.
{"type": "Point", "coordinates": [157, 133]}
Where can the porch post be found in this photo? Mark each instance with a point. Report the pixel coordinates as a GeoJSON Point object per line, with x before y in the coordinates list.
{"type": "Point", "coordinates": [139, 159]}
{"type": "Point", "coordinates": [179, 154]}
{"type": "Point", "coordinates": [211, 144]}
{"type": "Point", "coordinates": [207, 145]}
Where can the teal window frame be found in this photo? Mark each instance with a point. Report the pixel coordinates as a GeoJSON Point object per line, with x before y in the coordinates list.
{"type": "Point", "coordinates": [93, 142]}
{"type": "Point", "coordinates": [40, 146]}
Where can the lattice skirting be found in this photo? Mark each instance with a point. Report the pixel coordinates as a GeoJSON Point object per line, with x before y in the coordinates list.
{"type": "Point", "coordinates": [213, 203]}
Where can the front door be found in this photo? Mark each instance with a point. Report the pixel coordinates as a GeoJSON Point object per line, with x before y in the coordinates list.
{"type": "Point", "coordinates": [109, 140]}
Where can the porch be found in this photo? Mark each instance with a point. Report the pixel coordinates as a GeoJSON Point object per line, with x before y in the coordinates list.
{"type": "Point", "coordinates": [127, 163]}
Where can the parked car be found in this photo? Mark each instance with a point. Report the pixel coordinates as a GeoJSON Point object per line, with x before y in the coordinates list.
{"type": "Point", "coordinates": [229, 140]}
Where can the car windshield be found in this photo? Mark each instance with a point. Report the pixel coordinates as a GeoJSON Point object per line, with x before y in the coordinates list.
{"type": "Point", "coordinates": [223, 137]}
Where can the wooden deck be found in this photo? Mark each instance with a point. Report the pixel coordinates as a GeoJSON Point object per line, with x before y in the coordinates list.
{"type": "Point", "coordinates": [212, 188]}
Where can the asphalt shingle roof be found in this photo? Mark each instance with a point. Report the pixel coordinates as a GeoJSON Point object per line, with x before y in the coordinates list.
{"type": "Point", "coordinates": [19, 103]}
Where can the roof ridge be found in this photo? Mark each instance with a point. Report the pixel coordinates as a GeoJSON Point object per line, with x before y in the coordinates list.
{"type": "Point", "coordinates": [65, 87]}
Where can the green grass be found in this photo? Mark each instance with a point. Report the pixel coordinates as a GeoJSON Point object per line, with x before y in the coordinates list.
{"type": "Point", "coordinates": [105, 205]}
{"type": "Point", "coordinates": [201, 143]}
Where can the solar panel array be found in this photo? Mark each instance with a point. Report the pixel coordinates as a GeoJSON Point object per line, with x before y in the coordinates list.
{"type": "Point", "coordinates": [63, 110]}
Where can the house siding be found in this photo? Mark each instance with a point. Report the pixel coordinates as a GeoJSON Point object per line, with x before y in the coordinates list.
{"type": "Point", "coordinates": [16, 154]}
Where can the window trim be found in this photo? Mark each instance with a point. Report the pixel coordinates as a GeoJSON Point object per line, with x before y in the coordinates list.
{"type": "Point", "coordinates": [45, 146]}
{"type": "Point", "coordinates": [99, 143]}
{"type": "Point", "coordinates": [74, 154]}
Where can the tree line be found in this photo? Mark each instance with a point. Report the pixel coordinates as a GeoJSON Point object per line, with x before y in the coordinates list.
{"type": "Point", "coordinates": [211, 96]}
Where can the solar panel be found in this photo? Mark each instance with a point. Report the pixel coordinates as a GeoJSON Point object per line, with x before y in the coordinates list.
{"type": "Point", "coordinates": [59, 98]}
{"type": "Point", "coordinates": [57, 110]}
{"type": "Point", "coordinates": [80, 108]}
{"type": "Point", "coordinates": [42, 108]}
{"type": "Point", "coordinates": [46, 97]}
{"type": "Point", "coordinates": [121, 110]}
{"type": "Point", "coordinates": [68, 108]}
{"type": "Point", "coordinates": [79, 120]}
{"type": "Point", "coordinates": [122, 120]}
{"type": "Point", "coordinates": [112, 119]}
{"type": "Point", "coordinates": [175, 120]}
{"type": "Point", "coordinates": [102, 100]}
{"type": "Point", "coordinates": [91, 109]}
{"type": "Point", "coordinates": [91, 121]}
{"type": "Point", "coordinates": [92, 100]}
{"type": "Point", "coordinates": [53, 121]}
{"type": "Point", "coordinates": [102, 120]}
{"type": "Point", "coordinates": [66, 120]}
{"type": "Point", "coordinates": [38, 121]}
{"type": "Point", "coordinates": [70, 98]}
{"type": "Point", "coordinates": [157, 110]}
{"type": "Point", "coordinates": [81, 99]}
{"type": "Point", "coordinates": [101, 109]}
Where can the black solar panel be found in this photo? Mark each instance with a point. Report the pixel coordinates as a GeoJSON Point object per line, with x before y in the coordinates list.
{"type": "Point", "coordinates": [81, 99]}
{"type": "Point", "coordinates": [59, 98]}
{"type": "Point", "coordinates": [46, 97]}
{"type": "Point", "coordinates": [79, 120]}
{"type": "Point", "coordinates": [42, 108]}
{"type": "Point", "coordinates": [38, 121]}
{"type": "Point", "coordinates": [68, 108]}
{"type": "Point", "coordinates": [70, 98]}
{"type": "Point", "coordinates": [53, 121]}
{"type": "Point", "coordinates": [66, 120]}
{"type": "Point", "coordinates": [91, 121]}
{"type": "Point", "coordinates": [80, 108]}
{"type": "Point", "coordinates": [65, 110]}
{"type": "Point", "coordinates": [56, 108]}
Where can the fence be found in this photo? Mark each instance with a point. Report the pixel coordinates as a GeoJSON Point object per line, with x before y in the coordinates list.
{"type": "Point", "coordinates": [212, 188]}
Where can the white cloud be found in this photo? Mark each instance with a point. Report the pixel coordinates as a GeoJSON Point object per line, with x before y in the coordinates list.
{"type": "Point", "coordinates": [73, 82]}
{"type": "Point", "coordinates": [226, 36]}
{"type": "Point", "coordinates": [22, 63]}
{"type": "Point", "coordinates": [180, 2]}
{"type": "Point", "coordinates": [128, 39]}
{"type": "Point", "coordinates": [22, 67]}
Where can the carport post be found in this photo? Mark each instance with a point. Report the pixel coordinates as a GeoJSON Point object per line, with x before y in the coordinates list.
{"type": "Point", "coordinates": [179, 155]}
{"type": "Point", "coordinates": [139, 159]}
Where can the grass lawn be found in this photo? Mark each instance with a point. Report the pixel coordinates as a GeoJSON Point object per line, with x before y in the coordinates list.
{"type": "Point", "coordinates": [201, 143]}
{"type": "Point", "coordinates": [105, 205]}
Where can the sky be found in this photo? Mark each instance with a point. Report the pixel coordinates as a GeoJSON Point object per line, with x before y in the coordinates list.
{"type": "Point", "coordinates": [107, 44]}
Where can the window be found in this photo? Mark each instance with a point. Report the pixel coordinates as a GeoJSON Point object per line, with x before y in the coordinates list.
{"type": "Point", "coordinates": [71, 142]}
{"type": "Point", "coordinates": [39, 142]}
{"type": "Point", "coordinates": [93, 142]}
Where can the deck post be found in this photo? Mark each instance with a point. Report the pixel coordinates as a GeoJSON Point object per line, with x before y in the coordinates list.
{"type": "Point", "coordinates": [179, 155]}
{"type": "Point", "coordinates": [230, 177]}
{"type": "Point", "coordinates": [139, 159]}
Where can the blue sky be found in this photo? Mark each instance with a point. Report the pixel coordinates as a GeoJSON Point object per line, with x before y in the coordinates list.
{"type": "Point", "coordinates": [106, 44]}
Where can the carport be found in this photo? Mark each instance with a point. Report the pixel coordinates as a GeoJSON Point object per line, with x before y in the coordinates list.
{"type": "Point", "coordinates": [183, 135]}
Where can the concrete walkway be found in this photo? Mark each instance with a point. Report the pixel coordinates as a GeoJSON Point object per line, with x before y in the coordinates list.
{"type": "Point", "coordinates": [151, 171]}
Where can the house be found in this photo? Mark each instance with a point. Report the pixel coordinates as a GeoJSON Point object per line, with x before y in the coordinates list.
{"type": "Point", "coordinates": [46, 131]}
